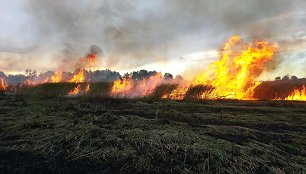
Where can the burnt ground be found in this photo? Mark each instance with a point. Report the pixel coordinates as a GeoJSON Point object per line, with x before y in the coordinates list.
{"type": "Point", "coordinates": [96, 135]}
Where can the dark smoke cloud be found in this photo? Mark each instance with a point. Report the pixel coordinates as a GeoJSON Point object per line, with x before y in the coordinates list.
{"type": "Point", "coordinates": [94, 49]}
{"type": "Point", "coordinates": [133, 33]}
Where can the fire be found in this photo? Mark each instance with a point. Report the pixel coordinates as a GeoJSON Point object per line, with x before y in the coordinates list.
{"type": "Point", "coordinates": [88, 62]}
{"type": "Point", "coordinates": [148, 86]}
{"type": "Point", "coordinates": [76, 90]}
{"type": "Point", "coordinates": [122, 87]}
{"type": "Point", "coordinates": [87, 89]}
{"type": "Point", "coordinates": [57, 77]}
{"type": "Point", "coordinates": [92, 60]}
{"type": "Point", "coordinates": [298, 94]}
{"type": "Point", "coordinates": [78, 77]}
{"type": "Point", "coordinates": [3, 85]}
{"type": "Point", "coordinates": [82, 65]}
{"type": "Point", "coordinates": [234, 75]}
{"type": "Point", "coordinates": [177, 94]}
{"type": "Point", "coordinates": [127, 87]}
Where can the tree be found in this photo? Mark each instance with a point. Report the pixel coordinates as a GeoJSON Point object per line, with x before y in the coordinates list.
{"type": "Point", "coordinates": [293, 78]}
{"type": "Point", "coordinates": [286, 77]}
{"type": "Point", "coordinates": [168, 76]}
{"type": "Point", "coordinates": [31, 72]}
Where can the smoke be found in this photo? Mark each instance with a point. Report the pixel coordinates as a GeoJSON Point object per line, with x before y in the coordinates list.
{"type": "Point", "coordinates": [255, 18]}
{"type": "Point", "coordinates": [91, 59]}
{"type": "Point", "coordinates": [134, 33]}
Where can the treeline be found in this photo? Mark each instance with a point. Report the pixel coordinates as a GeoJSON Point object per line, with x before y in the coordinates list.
{"type": "Point", "coordinates": [91, 76]}
{"type": "Point", "coordinates": [288, 77]}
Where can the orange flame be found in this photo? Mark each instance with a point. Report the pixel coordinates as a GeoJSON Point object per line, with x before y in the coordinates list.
{"type": "Point", "coordinates": [92, 60]}
{"type": "Point", "coordinates": [87, 89]}
{"type": "Point", "coordinates": [298, 94]}
{"type": "Point", "coordinates": [122, 87]}
{"type": "Point", "coordinates": [133, 88]}
{"type": "Point", "coordinates": [147, 86]}
{"type": "Point", "coordinates": [78, 77]}
{"type": "Point", "coordinates": [57, 77]}
{"type": "Point", "coordinates": [177, 94]}
{"type": "Point", "coordinates": [3, 85]}
{"type": "Point", "coordinates": [88, 62]}
{"type": "Point", "coordinates": [76, 90]}
{"type": "Point", "coordinates": [234, 75]}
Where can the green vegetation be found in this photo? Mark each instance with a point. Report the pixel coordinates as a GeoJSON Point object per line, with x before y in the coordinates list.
{"type": "Point", "coordinates": [103, 135]}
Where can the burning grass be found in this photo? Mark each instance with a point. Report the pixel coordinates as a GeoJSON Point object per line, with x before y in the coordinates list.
{"type": "Point", "coordinates": [233, 76]}
{"type": "Point", "coordinates": [298, 94]}
{"type": "Point", "coordinates": [265, 91]}
{"type": "Point", "coordinates": [3, 86]}
{"type": "Point", "coordinates": [104, 135]}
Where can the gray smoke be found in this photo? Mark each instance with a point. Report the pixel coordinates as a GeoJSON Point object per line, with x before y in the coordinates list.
{"type": "Point", "coordinates": [135, 32]}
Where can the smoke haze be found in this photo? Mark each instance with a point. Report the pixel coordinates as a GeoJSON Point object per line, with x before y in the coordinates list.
{"type": "Point", "coordinates": [135, 33]}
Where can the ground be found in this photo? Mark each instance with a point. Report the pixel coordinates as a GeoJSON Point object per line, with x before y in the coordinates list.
{"type": "Point", "coordinates": [100, 135]}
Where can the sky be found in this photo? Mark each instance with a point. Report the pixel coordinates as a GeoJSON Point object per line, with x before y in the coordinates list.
{"type": "Point", "coordinates": [176, 36]}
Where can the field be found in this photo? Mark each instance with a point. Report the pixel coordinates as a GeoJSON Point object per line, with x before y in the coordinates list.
{"type": "Point", "coordinates": [103, 135]}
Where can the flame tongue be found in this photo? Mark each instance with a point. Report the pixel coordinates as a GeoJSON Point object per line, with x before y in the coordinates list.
{"type": "Point", "coordinates": [122, 87]}
{"type": "Point", "coordinates": [84, 63]}
{"type": "Point", "coordinates": [57, 77]}
{"type": "Point", "coordinates": [78, 77]}
{"type": "Point", "coordinates": [234, 75]}
{"type": "Point", "coordinates": [3, 85]}
{"type": "Point", "coordinates": [87, 89]}
{"type": "Point", "coordinates": [88, 62]}
{"type": "Point", "coordinates": [298, 94]}
{"type": "Point", "coordinates": [76, 90]}
{"type": "Point", "coordinates": [177, 94]}
{"type": "Point", "coordinates": [135, 88]}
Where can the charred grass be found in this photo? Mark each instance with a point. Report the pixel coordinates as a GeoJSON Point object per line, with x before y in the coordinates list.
{"type": "Point", "coordinates": [103, 135]}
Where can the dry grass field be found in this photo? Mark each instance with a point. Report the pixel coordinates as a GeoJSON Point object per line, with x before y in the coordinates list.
{"type": "Point", "coordinates": [104, 135]}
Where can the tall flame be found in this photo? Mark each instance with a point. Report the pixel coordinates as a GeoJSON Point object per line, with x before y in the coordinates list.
{"type": "Point", "coordinates": [88, 62]}
{"type": "Point", "coordinates": [234, 75]}
{"type": "Point", "coordinates": [298, 94]}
